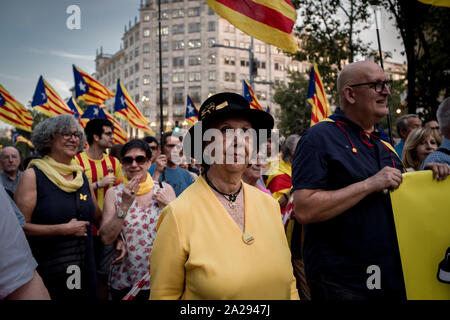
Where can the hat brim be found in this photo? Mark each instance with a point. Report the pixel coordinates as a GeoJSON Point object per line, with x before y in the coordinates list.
{"type": "Point", "coordinates": [259, 119]}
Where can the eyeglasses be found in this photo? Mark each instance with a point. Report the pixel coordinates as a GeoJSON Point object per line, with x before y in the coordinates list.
{"type": "Point", "coordinates": [153, 147]}
{"type": "Point", "coordinates": [378, 86]}
{"type": "Point", "coordinates": [139, 160]}
{"type": "Point", "coordinates": [67, 135]}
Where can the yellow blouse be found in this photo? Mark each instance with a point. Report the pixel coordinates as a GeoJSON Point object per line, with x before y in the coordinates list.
{"type": "Point", "coordinates": [199, 252]}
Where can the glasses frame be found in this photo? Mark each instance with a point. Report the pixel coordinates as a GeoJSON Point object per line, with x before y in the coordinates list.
{"type": "Point", "coordinates": [68, 135]}
{"type": "Point", "coordinates": [385, 83]}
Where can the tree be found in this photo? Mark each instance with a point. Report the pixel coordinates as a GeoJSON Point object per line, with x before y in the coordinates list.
{"type": "Point", "coordinates": [424, 31]}
{"type": "Point", "coordinates": [329, 31]}
{"type": "Point", "coordinates": [295, 115]}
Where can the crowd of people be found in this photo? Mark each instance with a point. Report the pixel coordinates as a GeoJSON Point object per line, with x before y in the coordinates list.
{"type": "Point", "coordinates": [87, 219]}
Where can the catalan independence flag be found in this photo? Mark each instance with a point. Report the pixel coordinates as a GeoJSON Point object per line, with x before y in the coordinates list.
{"type": "Point", "coordinates": [120, 135]}
{"type": "Point", "coordinates": [191, 111]}
{"type": "Point", "coordinates": [270, 21]}
{"type": "Point", "coordinates": [248, 94]}
{"type": "Point", "coordinates": [78, 112]}
{"type": "Point", "coordinates": [47, 101]}
{"type": "Point", "coordinates": [17, 137]}
{"type": "Point", "coordinates": [316, 97]}
{"type": "Point", "coordinates": [89, 89]}
{"type": "Point", "coordinates": [14, 113]}
{"type": "Point", "coordinates": [125, 109]}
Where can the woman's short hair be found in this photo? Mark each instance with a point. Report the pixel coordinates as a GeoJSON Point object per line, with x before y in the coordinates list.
{"type": "Point", "coordinates": [416, 137]}
{"type": "Point", "coordinates": [136, 144]}
{"type": "Point", "coordinates": [44, 133]}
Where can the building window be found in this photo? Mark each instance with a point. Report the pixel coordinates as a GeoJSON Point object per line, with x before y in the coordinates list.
{"type": "Point", "coordinates": [164, 31]}
{"type": "Point", "coordinates": [146, 64]}
{"type": "Point", "coordinates": [230, 76]}
{"type": "Point", "coordinates": [193, 44]}
{"type": "Point", "coordinates": [211, 41]}
{"type": "Point", "coordinates": [230, 60]}
{"type": "Point", "coordinates": [195, 94]}
{"type": "Point", "coordinates": [146, 48]}
{"type": "Point", "coordinates": [195, 60]}
{"type": "Point", "coordinates": [146, 80]}
{"type": "Point", "coordinates": [136, 98]}
{"type": "Point", "coordinates": [244, 63]}
{"type": "Point", "coordinates": [136, 67]}
{"type": "Point", "coordinates": [136, 83]}
{"type": "Point", "coordinates": [178, 29]}
{"type": "Point", "coordinates": [195, 76]}
{"type": "Point", "coordinates": [194, 27]}
{"type": "Point", "coordinates": [165, 46]}
{"type": "Point", "coordinates": [146, 17]}
{"type": "Point", "coordinates": [211, 11]}
{"type": "Point", "coordinates": [212, 76]}
{"type": "Point", "coordinates": [178, 62]}
{"type": "Point", "coordinates": [126, 73]}
{"type": "Point", "coordinates": [212, 58]}
{"type": "Point", "coordinates": [146, 32]}
{"type": "Point", "coordinates": [136, 51]}
{"type": "Point", "coordinates": [178, 77]}
{"type": "Point", "coordinates": [194, 12]}
{"type": "Point", "coordinates": [178, 95]}
{"type": "Point", "coordinates": [178, 13]}
{"type": "Point", "coordinates": [178, 45]}
{"type": "Point", "coordinates": [164, 15]}
{"type": "Point", "coordinates": [211, 26]}
{"type": "Point", "coordinates": [179, 111]}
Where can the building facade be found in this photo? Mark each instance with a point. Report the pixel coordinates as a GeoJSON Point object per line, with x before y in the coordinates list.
{"type": "Point", "coordinates": [191, 64]}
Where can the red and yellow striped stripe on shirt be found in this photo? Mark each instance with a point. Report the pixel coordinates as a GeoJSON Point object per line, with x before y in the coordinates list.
{"type": "Point", "coordinates": [95, 170]}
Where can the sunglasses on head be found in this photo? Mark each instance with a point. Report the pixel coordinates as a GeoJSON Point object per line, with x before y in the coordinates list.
{"type": "Point", "coordinates": [138, 159]}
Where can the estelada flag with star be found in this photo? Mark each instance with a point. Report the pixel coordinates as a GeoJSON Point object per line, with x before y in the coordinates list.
{"type": "Point", "coordinates": [316, 97]}
{"type": "Point", "coordinates": [191, 111]}
{"type": "Point", "coordinates": [93, 112]}
{"type": "Point", "coordinates": [47, 101]}
{"type": "Point", "coordinates": [78, 112]}
{"type": "Point", "coordinates": [125, 108]}
{"type": "Point", "coordinates": [89, 89]}
{"type": "Point", "coordinates": [14, 113]}
{"type": "Point", "coordinates": [248, 94]}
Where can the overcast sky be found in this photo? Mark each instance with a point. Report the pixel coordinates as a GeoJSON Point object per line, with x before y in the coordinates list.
{"type": "Point", "coordinates": [35, 40]}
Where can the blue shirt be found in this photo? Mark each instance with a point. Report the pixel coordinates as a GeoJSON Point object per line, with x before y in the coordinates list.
{"type": "Point", "coordinates": [343, 247]}
{"type": "Point", "coordinates": [438, 156]}
{"type": "Point", "coordinates": [178, 178]}
{"type": "Point", "coordinates": [399, 148]}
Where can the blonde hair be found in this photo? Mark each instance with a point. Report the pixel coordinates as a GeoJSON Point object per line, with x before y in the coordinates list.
{"type": "Point", "coordinates": [415, 138]}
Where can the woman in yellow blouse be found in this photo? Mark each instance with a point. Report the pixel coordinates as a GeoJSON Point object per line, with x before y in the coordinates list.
{"type": "Point", "coordinates": [222, 238]}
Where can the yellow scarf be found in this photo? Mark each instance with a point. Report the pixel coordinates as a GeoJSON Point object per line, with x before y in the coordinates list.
{"type": "Point", "coordinates": [145, 186]}
{"type": "Point", "coordinates": [55, 170]}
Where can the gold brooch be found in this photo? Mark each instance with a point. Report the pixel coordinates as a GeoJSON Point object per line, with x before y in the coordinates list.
{"type": "Point", "coordinates": [83, 196]}
{"type": "Point", "coordinates": [248, 238]}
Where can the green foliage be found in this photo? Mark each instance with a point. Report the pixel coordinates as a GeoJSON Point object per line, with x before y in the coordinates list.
{"type": "Point", "coordinates": [295, 115]}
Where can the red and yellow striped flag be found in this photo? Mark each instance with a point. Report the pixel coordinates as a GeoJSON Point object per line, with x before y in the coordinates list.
{"type": "Point", "coordinates": [14, 113]}
{"type": "Point", "coordinates": [316, 97]}
{"type": "Point", "coordinates": [89, 89]}
{"type": "Point", "coordinates": [270, 21]}
{"type": "Point", "coordinates": [120, 135]}
{"type": "Point", "coordinates": [248, 94]}
{"type": "Point", "coordinates": [124, 108]}
{"type": "Point", "coordinates": [47, 101]}
{"type": "Point", "coordinates": [438, 3]}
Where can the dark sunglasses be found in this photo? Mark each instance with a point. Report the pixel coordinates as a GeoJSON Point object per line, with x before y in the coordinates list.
{"type": "Point", "coordinates": [139, 160]}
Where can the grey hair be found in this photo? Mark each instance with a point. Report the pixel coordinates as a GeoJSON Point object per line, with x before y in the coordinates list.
{"type": "Point", "coordinates": [44, 133]}
{"type": "Point", "coordinates": [288, 146]}
{"type": "Point", "coordinates": [443, 116]}
{"type": "Point", "coordinates": [402, 122]}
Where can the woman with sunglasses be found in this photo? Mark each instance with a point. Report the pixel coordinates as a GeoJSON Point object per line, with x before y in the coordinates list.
{"type": "Point", "coordinates": [131, 211]}
{"type": "Point", "coordinates": [222, 238]}
{"type": "Point", "coordinates": [59, 208]}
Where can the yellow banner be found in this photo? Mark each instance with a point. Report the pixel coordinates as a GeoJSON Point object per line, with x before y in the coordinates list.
{"type": "Point", "coordinates": [421, 207]}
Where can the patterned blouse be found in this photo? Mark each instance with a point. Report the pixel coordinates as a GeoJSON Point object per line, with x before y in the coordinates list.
{"type": "Point", "coordinates": [138, 232]}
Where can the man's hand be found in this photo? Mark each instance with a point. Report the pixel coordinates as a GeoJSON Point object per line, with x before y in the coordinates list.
{"type": "Point", "coordinates": [386, 178]}
{"type": "Point", "coordinates": [440, 170]}
{"type": "Point", "coordinates": [161, 163]}
{"type": "Point", "coordinates": [106, 181]}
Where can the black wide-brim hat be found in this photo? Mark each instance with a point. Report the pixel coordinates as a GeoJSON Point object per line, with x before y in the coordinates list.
{"type": "Point", "coordinates": [222, 106]}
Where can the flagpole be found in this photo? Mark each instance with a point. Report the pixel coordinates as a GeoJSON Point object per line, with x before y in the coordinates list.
{"type": "Point", "coordinates": [382, 66]}
{"type": "Point", "coordinates": [160, 72]}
